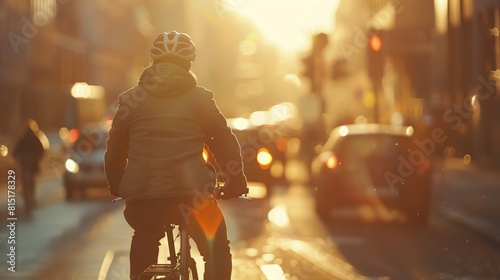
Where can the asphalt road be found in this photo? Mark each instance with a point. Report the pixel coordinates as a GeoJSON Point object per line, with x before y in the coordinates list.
{"type": "Point", "coordinates": [276, 237]}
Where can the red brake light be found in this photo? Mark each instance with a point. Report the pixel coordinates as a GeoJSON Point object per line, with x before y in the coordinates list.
{"type": "Point", "coordinates": [331, 162]}
{"type": "Point", "coordinates": [281, 145]}
{"type": "Point", "coordinates": [425, 166]}
{"type": "Point", "coordinates": [73, 135]}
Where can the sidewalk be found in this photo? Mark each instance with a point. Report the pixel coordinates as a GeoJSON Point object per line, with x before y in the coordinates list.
{"type": "Point", "coordinates": [51, 170]}
{"type": "Point", "coordinates": [51, 164]}
{"type": "Point", "coordinates": [470, 195]}
{"type": "Point", "coordinates": [102, 254]}
{"type": "Point", "coordinates": [54, 223]}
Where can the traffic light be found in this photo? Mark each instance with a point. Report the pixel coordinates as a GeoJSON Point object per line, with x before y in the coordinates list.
{"type": "Point", "coordinates": [314, 63]}
{"type": "Point", "coordinates": [308, 64]}
{"type": "Point", "coordinates": [376, 50]}
{"type": "Point", "coordinates": [375, 43]}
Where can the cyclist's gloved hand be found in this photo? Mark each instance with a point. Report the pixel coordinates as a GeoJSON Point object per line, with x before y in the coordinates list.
{"type": "Point", "coordinates": [234, 187]}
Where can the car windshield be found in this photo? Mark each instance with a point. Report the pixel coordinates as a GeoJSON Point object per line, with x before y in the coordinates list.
{"type": "Point", "coordinates": [372, 151]}
{"type": "Point", "coordinates": [368, 158]}
{"type": "Point", "coordinates": [381, 148]}
{"type": "Point", "coordinates": [91, 139]}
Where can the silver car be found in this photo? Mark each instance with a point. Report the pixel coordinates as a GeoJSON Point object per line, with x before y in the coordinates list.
{"type": "Point", "coordinates": [374, 165]}
{"type": "Point", "coordinates": [84, 166]}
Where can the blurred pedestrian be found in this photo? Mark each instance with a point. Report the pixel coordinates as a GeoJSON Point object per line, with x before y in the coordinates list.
{"type": "Point", "coordinates": [28, 152]}
{"type": "Point", "coordinates": [154, 159]}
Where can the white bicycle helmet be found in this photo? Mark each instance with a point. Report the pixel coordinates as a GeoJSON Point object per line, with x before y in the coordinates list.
{"type": "Point", "coordinates": [173, 44]}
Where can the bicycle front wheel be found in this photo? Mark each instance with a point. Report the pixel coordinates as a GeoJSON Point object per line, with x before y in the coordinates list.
{"type": "Point", "coordinates": [190, 274]}
{"type": "Point", "coordinates": [187, 267]}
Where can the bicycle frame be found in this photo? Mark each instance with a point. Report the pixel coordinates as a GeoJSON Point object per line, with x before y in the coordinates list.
{"type": "Point", "coordinates": [181, 264]}
{"type": "Point", "coordinates": [185, 257]}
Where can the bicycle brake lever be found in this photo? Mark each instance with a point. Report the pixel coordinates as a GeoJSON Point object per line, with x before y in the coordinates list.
{"type": "Point", "coordinates": [245, 197]}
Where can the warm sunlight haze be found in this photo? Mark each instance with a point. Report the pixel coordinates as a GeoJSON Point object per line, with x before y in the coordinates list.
{"type": "Point", "coordinates": [289, 24]}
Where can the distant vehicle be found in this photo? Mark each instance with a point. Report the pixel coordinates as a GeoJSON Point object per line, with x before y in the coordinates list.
{"type": "Point", "coordinates": [6, 160]}
{"type": "Point", "coordinates": [372, 164]}
{"type": "Point", "coordinates": [263, 151]}
{"type": "Point", "coordinates": [84, 167]}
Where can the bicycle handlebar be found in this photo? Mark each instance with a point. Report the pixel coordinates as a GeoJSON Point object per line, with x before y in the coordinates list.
{"type": "Point", "coordinates": [245, 198]}
{"type": "Point", "coordinates": [216, 195]}
{"type": "Point", "coordinates": [219, 189]}
{"type": "Point", "coordinates": [116, 199]}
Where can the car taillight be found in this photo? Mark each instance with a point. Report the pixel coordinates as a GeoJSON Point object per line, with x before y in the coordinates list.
{"type": "Point", "coordinates": [264, 157]}
{"type": "Point", "coordinates": [425, 166]}
{"type": "Point", "coordinates": [332, 162]}
{"type": "Point", "coordinates": [73, 135]}
{"type": "Point", "coordinates": [281, 145]}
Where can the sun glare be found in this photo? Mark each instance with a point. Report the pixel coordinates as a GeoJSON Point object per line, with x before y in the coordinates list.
{"type": "Point", "coordinates": [289, 24]}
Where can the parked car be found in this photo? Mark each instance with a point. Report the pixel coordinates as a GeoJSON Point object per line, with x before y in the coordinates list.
{"type": "Point", "coordinates": [84, 167]}
{"type": "Point", "coordinates": [372, 164]}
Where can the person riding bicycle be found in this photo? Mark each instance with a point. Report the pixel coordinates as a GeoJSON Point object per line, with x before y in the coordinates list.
{"type": "Point", "coordinates": [154, 159]}
{"type": "Point", "coordinates": [29, 151]}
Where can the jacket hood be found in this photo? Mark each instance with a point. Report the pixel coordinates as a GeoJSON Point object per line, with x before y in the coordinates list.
{"type": "Point", "coordinates": [166, 80]}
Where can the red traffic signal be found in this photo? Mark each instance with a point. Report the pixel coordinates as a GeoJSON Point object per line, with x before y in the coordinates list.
{"type": "Point", "coordinates": [375, 43]}
{"type": "Point", "coordinates": [376, 52]}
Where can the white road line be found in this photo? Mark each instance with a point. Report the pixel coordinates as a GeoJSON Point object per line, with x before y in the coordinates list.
{"type": "Point", "coordinates": [324, 261]}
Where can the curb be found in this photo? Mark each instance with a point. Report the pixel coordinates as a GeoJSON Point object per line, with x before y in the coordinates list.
{"type": "Point", "coordinates": [478, 225]}
{"type": "Point", "coordinates": [471, 176]}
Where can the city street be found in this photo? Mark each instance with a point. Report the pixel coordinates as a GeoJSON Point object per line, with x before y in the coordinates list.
{"type": "Point", "coordinates": [277, 237]}
{"type": "Point", "coordinates": [370, 143]}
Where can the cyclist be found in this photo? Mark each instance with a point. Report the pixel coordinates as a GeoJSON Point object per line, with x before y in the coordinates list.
{"type": "Point", "coordinates": [30, 149]}
{"type": "Point", "coordinates": [154, 158]}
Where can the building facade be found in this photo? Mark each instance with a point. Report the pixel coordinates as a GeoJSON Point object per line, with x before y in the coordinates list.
{"type": "Point", "coordinates": [431, 64]}
{"type": "Point", "coordinates": [49, 45]}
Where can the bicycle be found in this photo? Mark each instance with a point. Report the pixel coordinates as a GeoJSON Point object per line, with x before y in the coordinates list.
{"type": "Point", "coordinates": [182, 266]}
